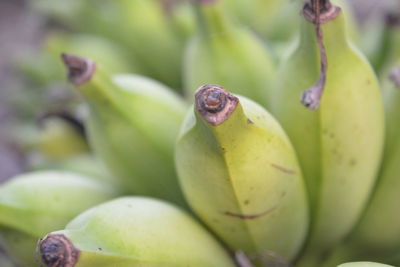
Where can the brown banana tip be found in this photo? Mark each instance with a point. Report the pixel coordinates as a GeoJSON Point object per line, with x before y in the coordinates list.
{"type": "Point", "coordinates": [56, 250]}
{"type": "Point", "coordinates": [395, 76]}
{"type": "Point", "coordinates": [311, 98]}
{"type": "Point", "coordinates": [328, 12]}
{"type": "Point", "coordinates": [80, 70]}
{"type": "Point", "coordinates": [215, 104]}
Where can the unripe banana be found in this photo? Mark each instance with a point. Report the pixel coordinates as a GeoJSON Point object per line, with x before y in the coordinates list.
{"type": "Point", "coordinates": [364, 264]}
{"type": "Point", "coordinates": [224, 53]}
{"type": "Point", "coordinates": [376, 236]}
{"type": "Point", "coordinates": [239, 173]}
{"type": "Point", "coordinates": [61, 136]}
{"type": "Point", "coordinates": [132, 127]}
{"type": "Point", "coordinates": [144, 28]}
{"type": "Point", "coordinates": [340, 144]}
{"type": "Point", "coordinates": [36, 203]}
{"type": "Point", "coordinates": [133, 231]}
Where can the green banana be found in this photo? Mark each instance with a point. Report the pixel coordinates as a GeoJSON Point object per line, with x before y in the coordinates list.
{"type": "Point", "coordinates": [364, 264]}
{"type": "Point", "coordinates": [132, 127]}
{"type": "Point", "coordinates": [340, 145]}
{"type": "Point", "coordinates": [61, 136]}
{"type": "Point", "coordinates": [36, 203]}
{"type": "Point", "coordinates": [133, 231]}
{"type": "Point", "coordinates": [239, 173]}
{"type": "Point", "coordinates": [145, 29]}
{"type": "Point", "coordinates": [223, 53]}
{"type": "Point", "coordinates": [376, 235]}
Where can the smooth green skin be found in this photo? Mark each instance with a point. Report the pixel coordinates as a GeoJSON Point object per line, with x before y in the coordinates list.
{"type": "Point", "coordinates": [340, 144]}
{"type": "Point", "coordinates": [226, 54]}
{"type": "Point", "coordinates": [132, 127]}
{"type": "Point", "coordinates": [36, 203]}
{"type": "Point", "coordinates": [144, 28]}
{"type": "Point", "coordinates": [239, 168]}
{"type": "Point", "coordinates": [58, 140]}
{"type": "Point", "coordinates": [376, 237]}
{"type": "Point", "coordinates": [138, 231]}
{"type": "Point", "coordinates": [364, 264]}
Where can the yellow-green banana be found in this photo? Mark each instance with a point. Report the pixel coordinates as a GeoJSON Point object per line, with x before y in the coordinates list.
{"type": "Point", "coordinates": [339, 145]}
{"type": "Point", "coordinates": [133, 231]}
{"type": "Point", "coordinates": [364, 264]}
{"type": "Point", "coordinates": [61, 136]}
{"type": "Point", "coordinates": [144, 28]}
{"type": "Point", "coordinates": [36, 203]}
{"type": "Point", "coordinates": [376, 236]}
{"type": "Point", "coordinates": [132, 127]}
{"type": "Point", "coordinates": [224, 53]}
{"type": "Point", "coordinates": [240, 175]}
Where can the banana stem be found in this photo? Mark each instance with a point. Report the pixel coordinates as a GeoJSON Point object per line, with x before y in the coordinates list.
{"type": "Point", "coordinates": [80, 70]}
{"type": "Point", "coordinates": [395, 76]}
{"type": "Point", "coordinates": [215, 104]}
{"type": "Point", "coordinates": [57, 250]}
{"type": "Point", "coordinates": [311, 97]}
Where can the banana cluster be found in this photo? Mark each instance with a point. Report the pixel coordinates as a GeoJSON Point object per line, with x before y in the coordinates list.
{"type": "Point", "coordinates": [210, 133]}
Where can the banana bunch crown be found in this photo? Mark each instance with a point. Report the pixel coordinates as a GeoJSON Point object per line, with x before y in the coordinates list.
{"type": "Point", "coordinates": [133, 231]}
{"type": "Point", "coordinates": [240, 175]}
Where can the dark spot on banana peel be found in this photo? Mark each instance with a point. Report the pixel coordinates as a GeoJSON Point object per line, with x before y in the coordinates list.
{"type": "Point", "coordinates": [283, 169]}
{"type": "Point", "coordinates": [249, 217]}
{"type": "Point", "coordinates": [250, 121]}
{"type": "Point", "coordinates": [246, 202]}
{"type": "Point", "coordinates": [57, 250]}
{"type": "Point", "coordinates": [215, 104]}
{"type": "Point", "coordinates": [80, 70]}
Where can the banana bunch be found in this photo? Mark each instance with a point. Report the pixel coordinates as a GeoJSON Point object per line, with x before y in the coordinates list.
{"type": "Point", "coordinates": [339, 145]}
{"type": "Point", "coordinates": [34, 204]}
{"type": "Point", "coordinates": [243, 180]}
{"type": "Point", "coordinates": [224, 53]}
{"type": "Point", "coordinates": [133, 231]}
{"type": "Point", "coordinates": [132, 127]}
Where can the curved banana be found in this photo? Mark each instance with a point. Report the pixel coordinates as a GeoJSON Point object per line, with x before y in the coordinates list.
{"type": "Point", "coordinates": [223, 53]}
{"type": "Point", "coordinates": [376, 235]}
{"type": "Point", "coordinates": [339, 145]}
{"type": "Point", "coordinates": [60, 137]}
{"type": "Point", "coordinates": [36, 203]}
{"type": "Point", "coordinates": [364, 264]}
{"type": "Point", "coordinates": [132, 127]}
{"type": "Point", "coordinates": [240, 175]}
{"type": "Point", "coordinates": [133, 231]}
